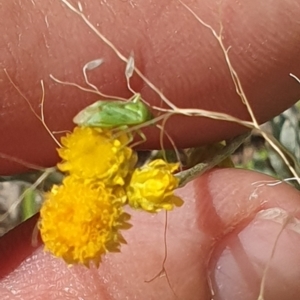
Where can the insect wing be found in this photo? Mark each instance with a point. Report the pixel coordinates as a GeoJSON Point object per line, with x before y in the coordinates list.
{"type": "Point", "coordinates": [139, 112]}
{"type": "Point", "coordinates": [90, 115]}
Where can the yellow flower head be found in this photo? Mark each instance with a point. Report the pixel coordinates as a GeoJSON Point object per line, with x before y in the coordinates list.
{"type": "Point", "coordinates": [80, 221]}
{"type": "Point", "coordinates": [151, 187]}
{"type": "Point", "coordinates": [92, 153]}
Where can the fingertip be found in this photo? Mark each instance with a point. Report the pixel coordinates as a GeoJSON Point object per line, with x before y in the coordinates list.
{"type": "Point", "coordinates": [260, 260]}
{"type": "Point", "coordinates": [189, 68]}
{"type": "Point", "coordinates": [253, 225]}
{"type": "Point", "coordinates": [233, 196]}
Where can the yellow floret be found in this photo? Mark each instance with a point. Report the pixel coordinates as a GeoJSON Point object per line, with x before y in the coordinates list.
{"type": "Point", "coordinates": [151, 187]}
{"type": "Point", "coordinates": [92, 153]}
{"type": "Point", "coordinates": [80, 221]}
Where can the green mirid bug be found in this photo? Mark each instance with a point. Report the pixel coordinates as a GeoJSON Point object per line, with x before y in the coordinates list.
{"type": "Point", "coordinates": [114, 113]}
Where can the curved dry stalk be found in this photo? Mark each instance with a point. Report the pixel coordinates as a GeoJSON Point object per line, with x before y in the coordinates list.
{"type": "Point", "coordinates": [164, 132]}
{"type": "Point", "coordinates": [285, 219]}
{"type": "Point", "coordinates": [196, 112]}
{"type": "Point", "coordinates": [79, 12]}
{"type": "Point", "coordinates": [47, 171]}
{"type": "Point", "coordinates": [240, 91]}
{"type": "Point", "coordinates": [163, 271]}
{"type": "Point", "coordinates": [20, 162]}
{"type": "Point", "coordinates": [234, 75]}
{"type": "Point", "coordinates": [93, 89]}
{"type": "Point", "coordinates": [41, 118]}
{"type": "Point", "coordinates": [254, 123]}
{"type": "Point", "coordinates": [272, 182]}
{"type": "Point", "coordinates": [44, 175]}
{"type": "Point", "coordinates": [295, 77]}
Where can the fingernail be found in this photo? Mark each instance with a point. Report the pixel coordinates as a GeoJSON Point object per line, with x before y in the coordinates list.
{"type": "Point", "coordinates": [259, 260]}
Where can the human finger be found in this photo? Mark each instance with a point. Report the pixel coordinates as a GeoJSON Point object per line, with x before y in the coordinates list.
{"type": "Point", "coordinates": [179, 55]}
{"type": "Point", "coordinates": [221, 233]}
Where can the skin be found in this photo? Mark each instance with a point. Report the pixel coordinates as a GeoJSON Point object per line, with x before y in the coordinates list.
{"type": "Point", "coordinates": [227, 228]}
